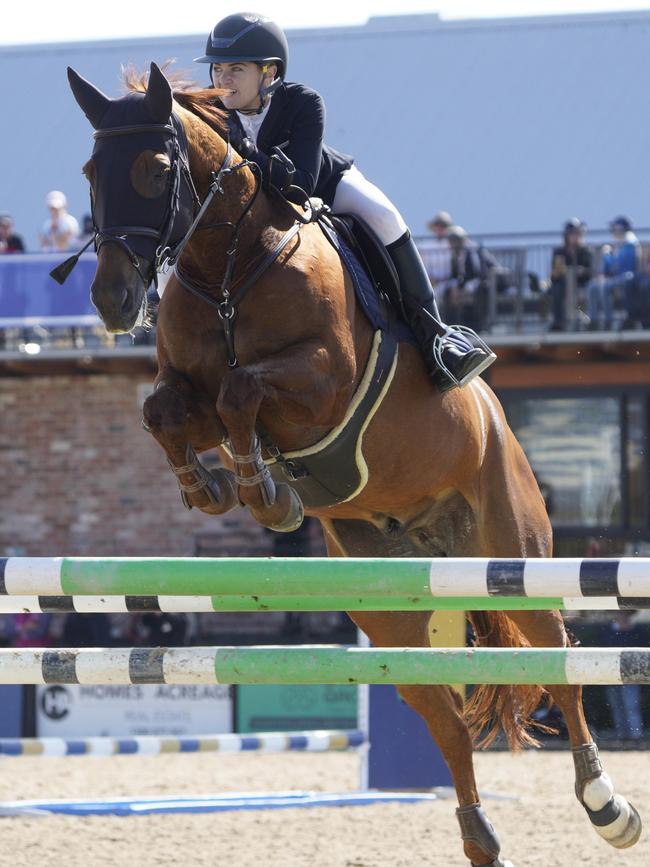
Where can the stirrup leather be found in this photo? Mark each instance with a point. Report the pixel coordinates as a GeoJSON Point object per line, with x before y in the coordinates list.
{"type": "Point", "coordinates": [476, 342]}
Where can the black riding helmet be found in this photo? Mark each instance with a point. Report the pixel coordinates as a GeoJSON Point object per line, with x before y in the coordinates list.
{"type": "Point", "coordinates": [247, 36]}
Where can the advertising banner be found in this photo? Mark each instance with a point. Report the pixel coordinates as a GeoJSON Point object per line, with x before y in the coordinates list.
{"type": "Point", "coordinates": [290, 707]}
{"type": "Point", "coordinates": [129, 711]}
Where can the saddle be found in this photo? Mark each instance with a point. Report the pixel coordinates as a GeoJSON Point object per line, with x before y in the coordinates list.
{"type": "Point", "coordinates": [363, 241]}
{"type": "Point", "coordinates": [375, 278]}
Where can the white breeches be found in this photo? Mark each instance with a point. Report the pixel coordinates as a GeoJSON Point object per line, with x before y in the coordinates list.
{"type": "Point", "coordinates": [355, 195]}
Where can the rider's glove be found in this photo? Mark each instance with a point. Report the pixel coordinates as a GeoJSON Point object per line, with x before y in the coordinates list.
{"type": "Point", "coordinates": [279, 171]}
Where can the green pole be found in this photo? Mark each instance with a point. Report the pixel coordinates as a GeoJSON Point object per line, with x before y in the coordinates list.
{"type": "Point", "coordinates": [362, 602]}
{"type": "Point", "coordinates": [198, 576]}
{"type": "Point", "coordinates": [326, 665]}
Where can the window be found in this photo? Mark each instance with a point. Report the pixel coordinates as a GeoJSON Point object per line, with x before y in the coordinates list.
{"type": "Point", "coordinates": [574, 447]}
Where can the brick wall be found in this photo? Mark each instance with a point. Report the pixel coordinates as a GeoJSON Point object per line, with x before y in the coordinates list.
{"type": "Point", "coordinates": [79, 476]}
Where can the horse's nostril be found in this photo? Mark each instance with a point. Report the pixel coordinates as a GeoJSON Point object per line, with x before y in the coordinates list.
{"type": "Point", "coordinates": [125, 301]}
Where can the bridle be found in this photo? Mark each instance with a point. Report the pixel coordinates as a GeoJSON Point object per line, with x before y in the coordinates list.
{"type": "Point", "coordinates": [180, 172]}
{"type": "Point", "coordinates": [171, 240]}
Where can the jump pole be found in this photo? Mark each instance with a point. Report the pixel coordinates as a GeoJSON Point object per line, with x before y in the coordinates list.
{"type": "Point", "coordinates": [324, 664]}
{"type": "Point", "coordinates": [87, 584]}
{"type": "Point", "coordinates": [81, 604]}
{"type": "Point", "coordinates": [263, 742]}
{"type": "Point", "coordinates": [253, 584]}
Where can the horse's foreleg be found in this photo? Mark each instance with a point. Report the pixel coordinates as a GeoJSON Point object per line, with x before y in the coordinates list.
{"type": "Point", "coordinates": [612, 816]}
{"type": "Point", "coordinates": [177, 418]}
{"type": "Point", "coordinates": [288, 384]}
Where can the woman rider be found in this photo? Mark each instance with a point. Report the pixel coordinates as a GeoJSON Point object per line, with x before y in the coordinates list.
{"type": "Point", "coordinates": [268, 117]}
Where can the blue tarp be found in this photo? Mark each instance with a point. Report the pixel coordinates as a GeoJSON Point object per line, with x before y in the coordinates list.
{"type": "Point", "coordinates": [208, 804]}
{"type": "Point", "coordinates": [29, 296]}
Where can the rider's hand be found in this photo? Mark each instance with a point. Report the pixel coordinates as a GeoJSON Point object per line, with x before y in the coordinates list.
{"type": "Point", "coordinates": [246, 148]}
{"type": "Point", "coordinates": [280, 171]}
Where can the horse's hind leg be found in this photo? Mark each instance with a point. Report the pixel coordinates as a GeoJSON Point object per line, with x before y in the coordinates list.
{"type": "Point", "coordinates": [442, 710]}
{"type": "Point", "coordinates": [514, 524]}
{"type": "Point", "coordinates": [176, 418]}
{"type": "Point", "coordinates": [440, 707]}
{"type": "Point", "coordinates": [612, 816]}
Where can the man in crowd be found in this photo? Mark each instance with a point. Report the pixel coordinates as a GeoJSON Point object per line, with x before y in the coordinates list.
{"type": "Point", "coordinates": [9, 241]}
{"type": "Point", "coordinates": [619, 272]}
{"type": "Point", "coordinates": [437, 254]}
{"type": "Point", "coordinates": [464, 295]}
{"type": "Point", "coordinates": [60, 230]}
{"type": "Point", "coordinates": [571, 262]}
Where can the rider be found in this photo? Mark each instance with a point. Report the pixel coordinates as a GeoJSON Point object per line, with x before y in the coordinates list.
{"type": "Point", "coordinates": [269, 117]}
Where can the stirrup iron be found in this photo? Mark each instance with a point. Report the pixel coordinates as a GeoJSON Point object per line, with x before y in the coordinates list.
{"type": "Point", "coordinates": [475, 341]}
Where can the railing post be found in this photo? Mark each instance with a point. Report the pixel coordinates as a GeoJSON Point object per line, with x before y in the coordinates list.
{"type": "Point", "coordinates": [570, 298]}
{"type": "Point", "coordinates": [492, 298]}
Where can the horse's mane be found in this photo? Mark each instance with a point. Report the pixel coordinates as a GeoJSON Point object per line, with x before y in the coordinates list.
{"type": "Point", "coordinates": [200, 101]}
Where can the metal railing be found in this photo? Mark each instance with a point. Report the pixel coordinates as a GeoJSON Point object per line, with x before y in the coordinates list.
{"type": "Point", "coordinates": [511, 297]}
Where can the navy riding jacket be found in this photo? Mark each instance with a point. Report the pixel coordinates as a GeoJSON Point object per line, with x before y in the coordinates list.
{"type": "Point", "coordinates": [295, 122]}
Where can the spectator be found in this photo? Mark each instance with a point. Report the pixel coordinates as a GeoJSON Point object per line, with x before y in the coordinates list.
{"type": "Point", "coordinates": [60, 230]}
{"type": "Point", "coordinates": [643, 291]}
{"type": "Point", "coordinates": [625, 701]}
{"type": "Point", "coordinates": [31, 630]}
{"type": "Point", "coordinates": [437, 255]}
{"type": "Point", "coordinates": [163, 630]}
{"type": "Point", "coordinates": [86, 630]}
{"type": "Point", "coordinates": [573, 254]}
{"type": "Point", "coordinates": [464, 294]}
{"type": "Point", "coordinates": [618, 273]}
{"type": "Point", "coordinates": [87, 231]}
{"type": "Point", "coordinates": [9, 241]}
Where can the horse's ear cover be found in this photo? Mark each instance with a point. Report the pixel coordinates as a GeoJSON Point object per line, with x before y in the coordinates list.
{"type": "Point", "coordinates": [91, 100]}
{"type": "Point", "coordinates": [158, 98]}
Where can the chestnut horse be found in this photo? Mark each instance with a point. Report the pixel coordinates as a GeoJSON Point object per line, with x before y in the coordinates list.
{"type": "Point", "coordinates": [443, 473]}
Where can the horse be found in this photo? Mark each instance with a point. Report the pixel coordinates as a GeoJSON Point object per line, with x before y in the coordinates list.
{"type": "Point", "coordinates": [264, 353]}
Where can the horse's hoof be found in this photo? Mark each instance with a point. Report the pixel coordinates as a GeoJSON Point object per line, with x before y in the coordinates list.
{"type": "Point", "coordinates": [223, 487]}
{"type": "Point", "coordinates": [626, 829]}
{"type": "Point", "coordinates": [632, 830]}
{"type": "Point", "coordinates": [496, 863]}
{"type": "Point", "coordinates": [295, 512]}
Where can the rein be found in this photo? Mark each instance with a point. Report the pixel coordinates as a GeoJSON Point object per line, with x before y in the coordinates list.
{"type": "Point", "coordinates": [167, 252]}
{"type": "Point", "coordinates": [167, 256]}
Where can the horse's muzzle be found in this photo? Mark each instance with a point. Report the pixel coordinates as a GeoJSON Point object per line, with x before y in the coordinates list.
{"type": "Point", "coordinates": [118, 306]}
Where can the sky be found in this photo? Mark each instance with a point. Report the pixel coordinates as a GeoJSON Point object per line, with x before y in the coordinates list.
{"type": "Point", "coordinates": [40, 21]}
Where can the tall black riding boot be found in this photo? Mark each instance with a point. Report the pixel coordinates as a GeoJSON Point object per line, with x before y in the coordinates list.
{"type": "Point", "coordinates": [453, 356]}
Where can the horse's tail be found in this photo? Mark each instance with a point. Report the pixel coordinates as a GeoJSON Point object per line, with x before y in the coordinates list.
{"type": "Point", "coordinates": [493, 707]}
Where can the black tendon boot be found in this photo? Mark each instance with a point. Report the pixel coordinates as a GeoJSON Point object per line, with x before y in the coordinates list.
{"type": "Point", "coordinates": [454, 354]}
